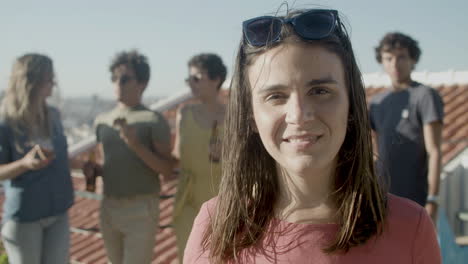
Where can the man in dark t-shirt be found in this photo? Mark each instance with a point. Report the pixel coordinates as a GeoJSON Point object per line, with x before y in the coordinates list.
{"type": "Point", "coordinates": [407, 121]}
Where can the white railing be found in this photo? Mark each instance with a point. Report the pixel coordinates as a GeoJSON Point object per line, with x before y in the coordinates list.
{"type": "Point", "coordinates": [453, 192]}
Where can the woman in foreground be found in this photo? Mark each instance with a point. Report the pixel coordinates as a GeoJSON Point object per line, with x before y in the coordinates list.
{"type": "Point", "coordinates": [298, 182]}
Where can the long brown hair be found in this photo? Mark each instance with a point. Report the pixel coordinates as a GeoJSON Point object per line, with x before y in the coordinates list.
{"type": "Point", "coordinates": [20, 106]}
{"type": "Point", "coordinates": [249, 187]}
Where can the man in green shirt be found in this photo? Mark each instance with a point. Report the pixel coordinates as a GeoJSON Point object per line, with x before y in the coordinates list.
{"type": "Point", "coordinates": [135, 145]}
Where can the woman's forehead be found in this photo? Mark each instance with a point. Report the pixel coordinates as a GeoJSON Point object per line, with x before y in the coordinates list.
{"type": "Point", "coordinates": [291, 61]}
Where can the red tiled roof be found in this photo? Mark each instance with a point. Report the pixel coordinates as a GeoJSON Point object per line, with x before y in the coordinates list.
{"type": "Point", "coordinates": [87, 245]}
{"type": "Point", "coordinates": [86, 242]}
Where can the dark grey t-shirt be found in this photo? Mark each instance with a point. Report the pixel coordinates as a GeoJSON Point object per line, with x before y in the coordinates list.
{"type": "Point", "coordinates": [398, 119]}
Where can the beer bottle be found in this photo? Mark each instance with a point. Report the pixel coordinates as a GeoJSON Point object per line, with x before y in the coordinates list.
{"type": "Point", "coordinates": [91, 179]}
{"type": "Point", "coordinates": [214, 144]}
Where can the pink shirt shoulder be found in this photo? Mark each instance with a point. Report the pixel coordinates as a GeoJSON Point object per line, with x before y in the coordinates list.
{"type": "Point", "coordinates": [194, 252]}
{"type": "Point", "coordinates": [409, 237]}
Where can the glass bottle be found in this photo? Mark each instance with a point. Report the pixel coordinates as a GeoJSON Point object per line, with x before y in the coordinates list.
{"type": "Point", "coordinates": [91, 179]}
{"type": "Point", "coordinates": [214, 144]}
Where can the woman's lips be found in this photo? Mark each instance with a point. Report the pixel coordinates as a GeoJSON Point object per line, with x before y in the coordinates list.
{"type": "Point", "coordinates": [302, 142]}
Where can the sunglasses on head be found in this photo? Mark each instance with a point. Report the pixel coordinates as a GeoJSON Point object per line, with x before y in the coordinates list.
{"type": "Point", "coordinates": [124, 79]}
{"type": "Point", "coordinates": [314, 24]}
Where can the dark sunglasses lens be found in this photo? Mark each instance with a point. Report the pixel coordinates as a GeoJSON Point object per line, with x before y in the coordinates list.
{"type": "Point", "coordinates": [193, 78]}
{"type": "Point", "coordinates": [315, 25]}
{"type": "Point", "coordinates": [262, 31]}
{"type": "Point", "coordinates": [124, 79]}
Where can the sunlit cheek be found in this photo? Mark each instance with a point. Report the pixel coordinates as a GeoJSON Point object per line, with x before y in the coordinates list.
{"type": "Point", "coordinates": [268, 122]}
{"type": "Point", "coordinates": [336, 112]}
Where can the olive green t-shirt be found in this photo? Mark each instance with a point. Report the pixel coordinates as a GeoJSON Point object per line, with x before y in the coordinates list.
{"type": "Point", "coordinates": [124, 173]}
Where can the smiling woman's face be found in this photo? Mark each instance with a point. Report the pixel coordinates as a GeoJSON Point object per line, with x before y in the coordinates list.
{"type": "Point", "coordinates": [300, 105]}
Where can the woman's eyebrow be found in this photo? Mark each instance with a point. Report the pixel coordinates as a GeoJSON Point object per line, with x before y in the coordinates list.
{"type": "Point", "coordinates": [271, 88]}
{"type": "Point", "coordinates": [313, 82]}
{"type": "Point", "coordinates": [325, 80]}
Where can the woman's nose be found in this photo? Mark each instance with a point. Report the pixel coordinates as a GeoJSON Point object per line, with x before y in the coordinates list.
{"type": "Point", "coordinates": [298, 110]}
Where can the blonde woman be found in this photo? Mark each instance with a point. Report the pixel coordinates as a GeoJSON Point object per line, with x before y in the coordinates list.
{"type": "Point", "coordinates": [34, 167]}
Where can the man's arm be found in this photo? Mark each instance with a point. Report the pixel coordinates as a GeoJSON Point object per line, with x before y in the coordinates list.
{"type": "Point", "coordinates": [161, 162]}
{"type": "Point", "coordinates": [432, 141]}
{"type": "Point", "coordinates": [375, 147]}
{"type": "Point", "coordinates": [176, 150]}
{"type": "Point", "coordinates": [166, 160]}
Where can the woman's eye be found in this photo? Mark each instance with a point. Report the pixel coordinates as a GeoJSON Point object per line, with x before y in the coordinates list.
{"type": "Point", "coordinates": [319, 91]}
{"type": "Point", "coordinates": [275, 96]}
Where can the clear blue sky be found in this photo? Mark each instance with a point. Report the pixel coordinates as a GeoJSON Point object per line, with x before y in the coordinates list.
{"type": "Point", "coordinates": [82, 36]}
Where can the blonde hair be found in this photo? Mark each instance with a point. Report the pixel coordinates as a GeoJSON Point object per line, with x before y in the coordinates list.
{"type": "Point", "coordinates": [20, 106]}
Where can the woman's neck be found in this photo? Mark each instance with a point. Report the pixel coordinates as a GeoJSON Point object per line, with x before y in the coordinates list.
{"type": "Point", "coordinates": [39, 110]}
{"type": "Point", "coordinates": [39, 120]}
{"type": "Point", "coordinates": [306, 197]}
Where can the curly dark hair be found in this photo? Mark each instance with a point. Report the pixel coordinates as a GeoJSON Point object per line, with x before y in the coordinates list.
{"type": "Point", "coordinates": [395, 40]}
{"type": "Point", "coordinates": [212, 63]}
{"type": "Point", "coordinates": [136, 60]}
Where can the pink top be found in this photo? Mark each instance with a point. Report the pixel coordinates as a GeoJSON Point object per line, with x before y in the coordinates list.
{"type": "Point", "coordinates": [409, 237]}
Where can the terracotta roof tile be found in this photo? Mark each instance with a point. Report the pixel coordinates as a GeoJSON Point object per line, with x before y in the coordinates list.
{"type": "Point", "coordinates": [86, 243]}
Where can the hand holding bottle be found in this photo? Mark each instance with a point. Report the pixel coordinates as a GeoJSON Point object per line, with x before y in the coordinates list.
{"type": "Point", "coordinates": [90, 170]}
